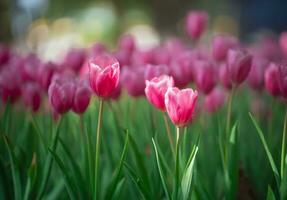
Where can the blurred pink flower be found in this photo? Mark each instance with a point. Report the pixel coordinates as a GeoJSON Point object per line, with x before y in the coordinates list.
{"type": "Point", "coordinates": [61, 93]}
{"type": "Point", "coordinates": [282, 78]}
{"type": "Point", "coordinates": [238, 65]}
{"type": "Point", "coordinates": [180, 105]}
{"type": "Point", "coordinates": [152, 71]}
{"type": "Point", "coordinates": [271, 79]}
{"type": "Point", "coordinates": [283, 42]}
{"type": "Point", "coordinates": [196, 22]}
{"type": "Point", "coordinates": [156, 88]}
{"type": "Point", "coordinates": [82, 97]}
{"type": "Point", "coordinates": [224, 76]}
{"type": "Point", "coordinates": [220, 46]}
{"type": "Point", "coordinates": [104, 75]}
{"type": "Point", "coordinates": [127, 43]}
{"type": "Point", "coordinates": [74, 59]}
{"type": "Point", "coordinates": [205, 76]}
{"type": "Point", "coordinates": [31, 93]}
{"type": "Point", "coordinates": [256, 74]}
{"type": "Point", "coordinates": [214, 100]}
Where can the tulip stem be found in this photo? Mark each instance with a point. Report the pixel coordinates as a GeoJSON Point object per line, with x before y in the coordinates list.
{"type": "Point", "coordinates": [98, 148]}
{"type": "Point", "coordinates": [168, 132]}
{"type": "Point", "coordinates": [283, 151]}
{"type": "Point", "coordinates": [228, 120]}
{"type": "Point", "coordinates": [176, 163]}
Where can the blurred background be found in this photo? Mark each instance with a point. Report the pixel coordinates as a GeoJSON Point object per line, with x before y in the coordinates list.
{"type": "Point", "coordinates": [42, 25]}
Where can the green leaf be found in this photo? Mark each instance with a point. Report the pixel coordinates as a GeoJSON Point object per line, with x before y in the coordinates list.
{"type": "Point", "coordinates": [138, 182]}
{"type": "Point", "coordinates": [75, 168]}
{"type": "Point", "coordinates": [269, 155]}
{"type": "Point", "coordinates": [32, 172]}
{"type": "Point", "coordinates": [160, 171]}
{"type": "Point", "coordinates": [270, 194]}
{"type": "Point", "coordinates": [67, 179]}
{"type": "Point", "coordinates": [187, 175]}
{"type": "Point", "coordinates": [6, 117]}
{"type": "Point", "coordinates": [14, 169]}
{"type": "Point", "coordinates": [118, 189]}
{"type": "Point", "coordinates": [116, 178]}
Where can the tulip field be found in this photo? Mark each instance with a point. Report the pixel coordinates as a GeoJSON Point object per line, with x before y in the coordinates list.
{"type": "Point", "coordinates": [187, 119]}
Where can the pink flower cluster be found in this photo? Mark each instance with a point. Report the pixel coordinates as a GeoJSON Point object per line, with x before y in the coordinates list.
{"type": "Point", "coordinates": [213, 68]}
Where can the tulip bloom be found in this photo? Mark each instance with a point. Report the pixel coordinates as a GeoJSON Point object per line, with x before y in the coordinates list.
{"type": "Point", "coordinates": [271, 80]}
{"type": "Point", "coordinates": [180, 105]}
{"type": "Point", "coordinates": [256, 74]}
{"type": "Point", "coordinates": [133, 80]}
{"type": "Point", "coordinates": [220, 46]}
{"type": "Point", "coordinates": [31, 94]}
{"type": "Point", "coordinates": [61, 94]}
{"type": "Point", "coordinates": [104, 75]}
{"type": "Point", "coordinates": [206, 76]}
{"type": "Point", "coordinates": [224, 77]}
{"type": "Point", "coordinates": [283, 42]}
{"type": "Point", "coordinates": [152, 71]}
{"type": "Point", "coordinates": [127, 43]}
{"type": "Point", "coordinates": [238, 65]}
{"type": "Point", "coordinates": [45, 74]}
{"type": "Point", "coordinates": [196, 22]}
{"type": "Point", "coordinates": [156, 89]}
{"type": "Point", "coordinates": [214, 100]}
{"type": "Point", "coordinates": [282, 78]}
{"type": "Point", "coordinates": [82, 97]}
{"type": "Point", "coordinates": [74, 59]}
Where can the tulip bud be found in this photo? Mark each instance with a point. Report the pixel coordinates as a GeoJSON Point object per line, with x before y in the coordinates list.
{"type": "Point", "coordinates": [238, 64]}
{"type": "Point", "coordinates": [196, 22]}
{"type": "Point", "coordinates": [206, 76]}
{"type": "Point", "coordinates": [214, 100]}
{"type": "Point", "coordinates": [104, 75]}
{"type": "Point", "coordinates": [220, 46]}
{"type": "Point", "coordinates": [180, 105]}
{"type": "Point", "coordinates": [9, 85]}
{"type": "Point", "coordinates": [45, 73]}
{"type": "Point", "coordinates": [271, 79]}
{"type": "Point", "coordinates": [156, 89]}
{"type": "Point", "coordinates": [31, 93]}
{"type": "Point", "coordinates": [61, 93]}
{"type": "Point", "coordinates": [256, 74]}
{"type": "Point", "coordinates": [152, 71]}
{"type": "Point", "coordinates": [4, 54]}
{"type": "Point", "coordinates": [81, 97]}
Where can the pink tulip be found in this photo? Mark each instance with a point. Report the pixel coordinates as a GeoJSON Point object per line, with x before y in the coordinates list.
{"type": "Point", "coordinates": [161, 56]}
{"type": "Point", "coordinates": [61, 93]}
{"type": "Point", "coordinates": [104, 75]}
{"type": "Point", "coordinates": [214, 100]}
{"type": "Point", "coordinates": [9, 85]}
{"type": "Point", "coordinates": [206, 76]}
{"type": "Point", "coordinates": [142, 57]}
{"type": "Point", "coordinates": [152, 71]}
{"type": "Point", "coordinates": [4, 54]}
{"type": "Point", "coordinates": [283, 42]}
{"type": "Point", "coordinates": [127, 43]}
{"type": "Point", "coordinates": [30, 67]}
{"type": "Point", "coordinates": [97, 50]}
{"type": "Point", "coordinates": [282, 78]}
{"type": "Point", "coordinates": [224, 76]}
{"type": "Point", "coordinates": [238, 64]}
{"type": "Point", "coordinates": [74, 59]}
{"type": "Point", "coordinates": [220, 46]}
{"type": "Point", "coordinates": [81, 97]}
{"type": "Point", "coordinates": [256, 74]}
{"type": "Point", "coordinates": [271, 80]}
{"type": "Point", "coordinates": [180, 105]}
{"type": "Point", "coordinates": [196, 22]}
{"type": "Point", "coordinates": [31, 93]}
{"type": "Point", "coordinates": [156, 89]}
{"type": "Point", "coordinates": [45, 74]}
{"type": "Point", "coordinates": [115, 95]}
{"type": "Point", "coordinates": [133, 80]}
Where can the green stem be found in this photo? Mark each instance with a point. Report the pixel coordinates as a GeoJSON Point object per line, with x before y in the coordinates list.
{"type": "Point", "coordinates": [228, 120]}
{"type": "Point", "coordinates": [98, 148]}
{"type": "Point", "coordinates": [176, 163]}
{"type": "Point", "coordinates": [168, 132]}
{"type": "Point", "coordinates": [283, 151]}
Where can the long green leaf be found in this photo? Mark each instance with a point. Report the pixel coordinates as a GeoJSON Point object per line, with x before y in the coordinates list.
{"type": "Point", "coordinates": [270, 194]}
{"type": "Point", "coordinates": [112, 187]}
{"type": "Point", "coordinates": [15, 170]}
{"type": "Point", "coordinates": [68, 180]}
{"type": "Point", "coordinates": [118, 189]}
{"type": "Point", "coordinates": [187, 175]}
{"type": "Point", "coordinates": [269, 155]}
{"type": "Point", "coordinates": [160, 171]}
